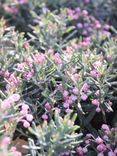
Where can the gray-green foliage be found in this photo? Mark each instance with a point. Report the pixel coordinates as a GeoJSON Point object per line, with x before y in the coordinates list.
{"type": "Point", "coordinates": [55, 137]}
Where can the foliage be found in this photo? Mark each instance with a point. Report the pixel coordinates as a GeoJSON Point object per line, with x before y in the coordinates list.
{"type": "Point", "coordinates": [57, 78]}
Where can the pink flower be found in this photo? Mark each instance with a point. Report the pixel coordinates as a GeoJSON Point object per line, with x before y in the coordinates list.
{"type": "Point", "coordinates": [6, 141]}
{"type": "Point", "coordinates": [115, 151]}
{"type": "Point", "coordinates": [86, 1]}
{"type": "Point", "coordinates": [25, 106]}
{"type": "Point", "coordinates": [84, 97]}
{"type": "Point", "coordinates": [17, 153]}
{"type": "Point", "coordinates": [22, 1]}
{"type": "Point", "coordinates": [97, 64]}
{"type": "Point", "coordinates": [79, 25]}
{"type": "Point", "coordinates": [5, 104]}
{"type": "Point", "coordinates": [45, 116]}
{"type": "Point", "coordinates": [26, 124]}
{"type": "Point", "coordinates": [29, 117]}
{"type": "Point", "coordinates": [105, 127]}
{"type": "Point", "coordinates": [98, 109]}
{"type": "Point", "coordinates": [85, 12]}
{"type": "Point", "coordinates": [70, 101]}
{"type": "Point", "coordinates": [39, 59]}
{"type": "Point", "coordinates": [29, 75]}
{"type": "Point", "coordinates": [111, 153]}
{"type": "Point", "coordinates": [73, 97]}
{"type": "Point", "coordinates": [94, 73]}
{"type": "Point", "coordinates": [107, 27]}
{"type": "Point", "coordinates": [108, 57]}
{"type": "Point", "coordinates": [14, 97]}
{"type": "Point", "coordinates": [101, 147]}
{"type": "Point", "coordinates": [85, 88]}
{"type": "Point", "coordinates": [48, 107]}
{"type": "Point", "coordinates": [24, 112]}
{"type": "Point", "coordinates": [66, 105]}
{"type": "Point", "coordinates": [13, 149]}
{"type": "Point", "coordinates": [6, 74]}
{"type": "Point", "coordinates": [75, 90]}
{"type": "Point", "coordinates": [85, 150]}
{"type": "Point", "coordinates": [95, 102]}
{"type": "Point", "coordinates": [79, 150]}
{"type": "Point", "coordinates": [21, 66]}
{"type": "Point", "coordinates": [105, 137]}
{"type": "Point", "coordinates": [99, 140]}
{"type": "Point", "coordinates": [65, 94]}
{"type": "Point", "coordinates": [100, 154]}
{"type": "Point", "coordinates": [11, 10]}
{"type": "Point", "coordinates": [57, 58]}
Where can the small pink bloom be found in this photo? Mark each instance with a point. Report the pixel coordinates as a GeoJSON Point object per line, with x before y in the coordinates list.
{"type": "Point", "coordinates": [84, 97]}
{"type": "Point", "coordinates": [65, 94]}
{"type": "Point", "coordinates": [22, 1]}
{"type": "Point", "coordinates": [107, 27]}
{"type": "Point", "coordinates": [87, 142]}
{"type": "Point", "coordinates": [24, 112]}
{"type": "Point", "coordinates": [101, 147]}
{"type": "Point", "coordinates": [85, 43]}
{"type": "Point", "coordinates": [108, 57]}
{"type": "Point", "coordinates": [57, 58]}
{"type": "Point", "coordinates": [111, 153]}
{"type": "Point", "coordinates": [98, 25]}
{"type": "Point", "coordinates": [5, 104]}
{"type": "Point", "coordinates": [21, 66]}
{"type": "Point", "coordinates": [85, 12]}
{"type": "Point", "coordinates": [95, 102]}
{"type": "Point", "coordinates": [85, 88]}
{"type": "Point", "coordinates": [6, 141]}
{"type": "Point", "coordinates": [85, 150]}
{"type": "Point", "coordinates": [94, 73]}
{"type": "Point", "coordinates": [105, 137]}
{"type": "Point", "coordinates": [99, 140]}
{"type": "Point", "coordinates": [100, 154]}
{"type": "Point", "coordinates": [105, 127]}
{"type": "Point", "coordinates": [14, 97]}
{"type": "Point", "coordinates": [97, 64]}
{"type": "Point", "coordinates": [86, 1]}
{"type": "Point", "coordinates": [80, 25]}
{"type": "Point", "coordinates": [6, 74]}
{"type": "Point", "coordinates": [26, 124]}
{"type": "Point", "coordinates": [48, 107]}
{"type": "Point", "coordinates": [98, 109]}
{"type": "Point", "coordinates": [13, 149]}
{"type": "Point", "coordinates": [75, 90]}
{"type": "Point", "coordinates": [79, 150]}
{"type": "Point", "coordinates": [45, 116]}
{"type": "Point", "coordinates": [29, 117]}
{"type": "Point", "coordinates": [70, 101]}
{"type": "Point", "coordinates": [66, 105]}
{"type": "Point", "coordinates": [11, 10]}
{"type": "Point", "coordinates": [39, 59]}
{"type": "Point", "coordinates": [25, 106]}
{"type": "Point", "coordinates": [115, 151]}
{"type": "Point", "coordinates": [73, 97]}
{"type": "Point", "coordinates": [17, 153]}
{"type": "Point", "coordinates": [29, 75]}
